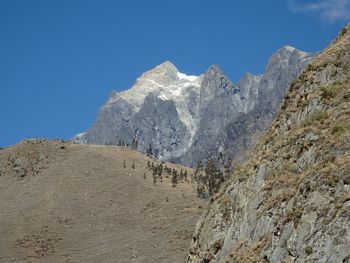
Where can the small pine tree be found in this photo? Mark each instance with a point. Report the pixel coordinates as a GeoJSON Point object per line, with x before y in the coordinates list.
{"type": "Point", "coordinates": [160, 170]}
{"type": "Point", "coordinates": [154, 178]}
{"type": "Point", "coordinates": [149, 151]}
{"type": "Point", "coordinates": [148, 164]}
{"type": "Point", "coordinates": [124, 164]}
{"type": "Point", "coordinates": [181, 175]}
{"type": "Point", "coordinates": [214, 177]}
{"type": "Point", "coordinates": [134, 144]}
{"type": "Point", "coordinates": [133, 164]}
{"type": "Point", "coordinates": [174, 178]}
{"type": "Point", "coordinates": [144, 175]}
{"type": "Point", "coordinates": [228, 167]}
{"type": "Point", "coordinates": [200, 190]}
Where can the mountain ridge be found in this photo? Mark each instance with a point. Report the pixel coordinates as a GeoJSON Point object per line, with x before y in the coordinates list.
{"type": "Point", "coordinates": [289, 202]}
{"type": "Point", "coordinates": [182, 128]}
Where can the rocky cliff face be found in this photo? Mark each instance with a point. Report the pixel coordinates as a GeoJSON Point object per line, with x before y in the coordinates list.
{"type": "Point", "coordinates": [231, 121]}
{"type": "Point", "coordinates": [188, 118]}
{"type": "Point", "coordinates": [290, 202]}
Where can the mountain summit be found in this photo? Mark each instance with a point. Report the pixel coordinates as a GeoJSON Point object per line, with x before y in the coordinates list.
{"type": "Point", "coordinates": [188, 118]}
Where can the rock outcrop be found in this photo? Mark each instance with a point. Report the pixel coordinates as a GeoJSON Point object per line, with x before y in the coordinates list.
{"type": "Point", "coordinates": [185, 119]}
{"type": "Point", "coordinates": [290, 202]}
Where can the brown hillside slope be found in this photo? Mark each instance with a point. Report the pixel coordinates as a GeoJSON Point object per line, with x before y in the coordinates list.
{"type": "Point", "coordinates": [76, 203]}
{"type": "Point", "coordinates": [291, 201]}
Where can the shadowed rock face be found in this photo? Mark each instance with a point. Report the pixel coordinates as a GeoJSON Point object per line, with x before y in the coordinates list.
{"type": "Point", "coordinates": [188, 118]}
{"type": "Point", "coordinates": [290, 201]}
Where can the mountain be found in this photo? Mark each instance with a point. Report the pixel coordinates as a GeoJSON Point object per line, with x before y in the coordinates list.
{"type": "Point", "coordinates": [62, 202]}
{"type": "Point", "coordinates": [189, 118]}
{"type": "Point", "coordinates": [290, 201]}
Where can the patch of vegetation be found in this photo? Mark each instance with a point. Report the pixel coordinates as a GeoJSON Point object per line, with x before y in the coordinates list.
{"type": "Point", "coordinates": [218, 245]}
{"type": "Point", "coordinates": [343, 31]}
{"type": "Point", "coordinates": [292, 168]}
{"type": "Point", "coordinates": [209, 178]}
{"type": "Point", "coordinates": [346, 95]}
{"type": "Point", "coordinates": [332, 181]}
{"type": "Point", "coordinates": [328, 92]}
{"type": "Point", "coordinates": [323, 211]}
{"type": "Point", "coordinates": [317, 116]}
{"type": "Point", "coordinates": [308, 250]}
{"type": "Point", "coordinates": [295, 216]}
{"type": "Point", "coordinates": [339, 128]}
{"type": "Point", "coordinates": [346, 180]}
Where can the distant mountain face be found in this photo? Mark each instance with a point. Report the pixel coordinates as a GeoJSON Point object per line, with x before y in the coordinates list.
{"type": "Point", "coordinates": [189, 118]}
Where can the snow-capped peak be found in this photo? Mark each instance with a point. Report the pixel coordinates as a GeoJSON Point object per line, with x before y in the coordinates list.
{"type": "Point", "coordinates": [186, 77]}
{"type": "Point", "coordinates": [165, 80]}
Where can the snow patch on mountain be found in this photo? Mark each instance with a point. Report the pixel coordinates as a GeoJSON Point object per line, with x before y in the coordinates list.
{"type": "Point", "coordinates": [177, 89]}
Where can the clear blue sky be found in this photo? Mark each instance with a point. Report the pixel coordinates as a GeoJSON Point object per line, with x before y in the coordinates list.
{"type": "Point", "coordinates": [59, 60]}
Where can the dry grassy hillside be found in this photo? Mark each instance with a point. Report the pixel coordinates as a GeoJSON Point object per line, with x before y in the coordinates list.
{"type": "Point", "coordinates": [62, 202]}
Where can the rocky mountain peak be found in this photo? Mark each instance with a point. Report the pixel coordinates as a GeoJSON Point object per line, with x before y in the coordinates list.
{"type": "Point", "coordinates": [164, 68]}
{"type": "Point", "coordinates": [284, 56]}
{"type": "Point", "coordinates": [187, 117]}
{"type": "Point", "coordinates": [163, 74]}
{"type": "Point", "coordinates": [214, 70]}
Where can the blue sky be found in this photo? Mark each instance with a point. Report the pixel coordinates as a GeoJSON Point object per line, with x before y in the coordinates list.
{"type": "Point", "coordinates": [59, 60]}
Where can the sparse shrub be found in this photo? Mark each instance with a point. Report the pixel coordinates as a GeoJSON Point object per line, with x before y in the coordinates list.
{"type": "Point", "coordinates": [308, 250]}
{"type": "Point", "coordinates": [339, 128]}
{"type": "Point", "coordinates": [328, 92]}
{"type": "Point", "coordinates": [292, 167]}
{"type": "Point", "coordinates": [346, 180]}
{"type": "Point", "coordinates": [218, 245]}
{"type": "Point", "coordinates": [133, 165]}
{"type": "Point", "coordinates": [331, 181]}
{"type": "Point", "coordinates": [346, 95]}
{"type": "Point", "coordinates": [295, 216]}
{"type": "Point", "coordinates": [326, 221]}
{"type": "Point", "coordinates": [323, 211]}
{"type": "Point", "coordinates": [343, 31]}
{"type": "Point", "coordinates": [318, 116]}
{"type": "Point", "coordinates": [124, 164]}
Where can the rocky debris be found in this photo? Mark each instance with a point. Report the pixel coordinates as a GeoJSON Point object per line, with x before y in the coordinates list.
{"type": "Point", "coordinates": [290, 202]}
{"type": "Point", "coordinates": [189, 118]}
{"type": "Point", "coordinates": [29, 157]}
{"type": "Point", "coordinates": [41, 243]}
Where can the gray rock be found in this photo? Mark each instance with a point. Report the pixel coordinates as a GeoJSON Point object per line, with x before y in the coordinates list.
{"type": "Point", "coordinates": [189, 118]}
{"type": "Point", "coordinates": [279, 213]}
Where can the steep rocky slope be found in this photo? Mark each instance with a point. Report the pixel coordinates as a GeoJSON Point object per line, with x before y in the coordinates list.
{"type": "Point", "coordinates": [61, 202]}
{"type": "Point", "coordinates": [187, 118]}
{"type": "Point", "coordinates": [290, 202]}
